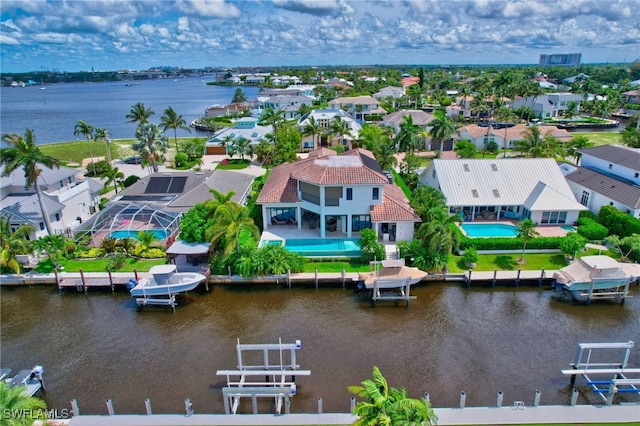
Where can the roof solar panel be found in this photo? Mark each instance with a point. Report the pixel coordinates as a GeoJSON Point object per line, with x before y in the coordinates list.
{"type": "Point", "coordinates": [158, 185]}
{"type": "Point", "coordinates": [177, 185]}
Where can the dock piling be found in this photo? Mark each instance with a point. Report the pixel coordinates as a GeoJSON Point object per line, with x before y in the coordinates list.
{"type": "Point", "coordinates": [74, 407]}
{"type": "Point", "coordinates": [518, 278]}
{"type": "Point", "coordinates": [574, 396]}
{"type": "Point", "coordinates": [463, 399]}
{"type": "Point", "coordinates": [316, 275]}
{"type": "Point", "coordinates": [289, 277]}
{"type": "Point", "coordinates": [495, 274]}
{"type": "Point", "coordinates": [499, 400]}
{"type": "Point", "coordinates": [84, 283]}
{"type": "Point", "coordinates": [113, 290]}
{"type": "Point", "coordinates": [320, 405]}
{"type": "Point", "coordinates": [536, 398]}
{"type": "Point", "coordinates": [343, 277]}
{"type": "Point", "coordinates": [468, 279]}
{"type": "Point", "coordinates": [147, 406]}
{"type": "Point", "coordinates": [352, 404]}
{"type": "Point", "coordinates": [110, 407]}
{"type": "Point", "coordinates": [427, 397]}
{"type": "Point", "coordinates": [188, 405]}
{"type": "Point", "coordinates": [542, 276]}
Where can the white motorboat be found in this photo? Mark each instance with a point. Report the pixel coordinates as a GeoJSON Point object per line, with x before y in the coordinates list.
{"type": "Point", "coordinates": [591, 276]}
{"type": "Point", "coordinates": [166, 281]}
{"type": "Point", "coordinates": [393, 274]}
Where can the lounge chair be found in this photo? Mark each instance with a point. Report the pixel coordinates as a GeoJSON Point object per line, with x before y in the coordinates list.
{"type": "Point", "coordinates": [277, 221]}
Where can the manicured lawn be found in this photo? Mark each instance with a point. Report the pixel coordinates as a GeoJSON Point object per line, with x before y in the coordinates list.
{"type": "Point", "coordinates": [98, 265]}
{"type": "Point", "coordinates": [508, 262]}
{"type": "Point", "coordinates": [601, 138]}
{"type": "Point", "coordinates": [233, 164]}
{"type": "Point", "coordinates": [335, 267]}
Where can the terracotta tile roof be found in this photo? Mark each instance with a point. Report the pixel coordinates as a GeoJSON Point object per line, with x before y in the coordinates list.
{"type": "Point", "coordinates": [395, 207]}
{"type": "Point", "coordinates": [516, 132]}
{"type": "Point", "coordinates": [357, 166]}
{"type": "Point", "coordinates": [321, 152]}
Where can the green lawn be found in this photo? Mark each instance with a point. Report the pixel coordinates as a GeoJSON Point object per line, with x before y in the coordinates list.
{"type": "Point", "coordinates": [234, 164]}
{"type": "Point", "coordinates": [98, 265]}
{"type": "Point", "coordinates": [349, 266]}
{"type": "Point", "coordinates": [602, 138]}
{"type": "Point", "coordinates": [508, 262]}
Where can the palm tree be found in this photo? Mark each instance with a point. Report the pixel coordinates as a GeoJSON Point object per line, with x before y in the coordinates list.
{"type": "Point", "coordinates": [340, 128]}
{"type": "Point", "coordinates": [171, 120]}
{"type": "Point", "coordinates": [146, 240]}
{"type": "Point", "coordinates": [226, 143]}
{"type": "Point", "coordinates": [23, 152]}
{"type": "Point", "coordinates": [576, 144]}
{"type": "Point", "coordinates": [534, 145]}
{"type": "Point", "coordinates": [139, 114]}
{"type": "Point", "coordinates": [13, 243]}
{"type": "Point", "coordinates": [505, 114]}
{"type": "Point", "coordinates": [527, 231]}
{"type": "Point", "coordinates": [442, 128]}
{"type": "Point", "coordinates": [115, 176]}
{"type": "Point", "coordinates": [14, 399]}
{"type": "Point", "coordinates": [389, 406]}
{"type": "Point", "coordinates": [438, 237]}
{"type": "Point", "coordinates": [151, 144]}
{"type": "Point", "coordinates": [407, 138]}
{"type": "Point", "coordinates": [385, 155]}
{"type": "Point", "coordinates": [219, 199]}
{"type": "Point", "coordinates": [85, 129]}
{"type": "Point", "coordinates": [274, 118]}
{"type": "Point", "coordinates": [312, 128]}
{"type": "Point", "coordinates": [103, 134]}
{"type": "Point", "coordinates": [229, 221]}
{"type": "Point", "coordinates": [242, 146]}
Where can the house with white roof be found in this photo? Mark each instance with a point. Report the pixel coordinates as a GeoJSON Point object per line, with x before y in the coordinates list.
{"type": "Point", "coordinates": [339, 194]}
{"type": "Point", "coordinates": [506, 135]}
{"type": "Point", "coordinates": [358, 106]}
{"type": "Point", "coordinates": [390, 91]}
{"type": "Point", "coordinates": [245, 127]}
{"type": "Point", "coordinates": [609, 175]}
{"type": "Point", "coordinates": [548, 105]}
{"type": "Point", "coordinates": [515, 188]}
{"type": "Point", "coordinates": [68, 200]}
{"type": "Point", "coordinates": [325, 119]}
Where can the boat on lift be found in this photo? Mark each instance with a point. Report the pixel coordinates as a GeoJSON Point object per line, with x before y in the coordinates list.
{"type": "Point", "coordinates": [165, 280]}
{"type": "Point", "coordinates": [393, 274]}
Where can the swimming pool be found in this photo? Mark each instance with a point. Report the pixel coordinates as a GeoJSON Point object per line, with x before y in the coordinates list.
{"type": "Point", "coordinates": [569, 228]}
{"type": "Point", "coordinates": [161, 234]}
{"type": "Point", "coordinates": [329, 247]}
{"type": "Point", "coordinates": [484, 230]}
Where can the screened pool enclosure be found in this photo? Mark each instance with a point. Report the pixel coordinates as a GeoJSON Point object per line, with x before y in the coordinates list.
{"type": "Point", "coordinates": [126, 220]}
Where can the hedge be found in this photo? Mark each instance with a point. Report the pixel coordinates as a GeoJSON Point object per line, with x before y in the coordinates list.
{"type": "Point", "coordinates": [617, 222]}
{"type": "Point", "coordinates": [591, 230]}
{"type": "Point", "coordinates": [506, 243]}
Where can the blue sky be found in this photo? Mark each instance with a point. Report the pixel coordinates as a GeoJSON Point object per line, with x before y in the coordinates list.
{"type": "Point", "coordinates": [76, 35]}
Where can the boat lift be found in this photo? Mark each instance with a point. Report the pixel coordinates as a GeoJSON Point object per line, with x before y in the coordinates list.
{"type": "Point", "coordinates": [30, 380]}
{"type": "Point", "coordinates": [279, 378]}
{"type": "Point", "coordinates": [606, 389]}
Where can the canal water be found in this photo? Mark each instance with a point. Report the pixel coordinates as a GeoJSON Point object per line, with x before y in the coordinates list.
{"type": "Point", "coordinates": [451, 339]}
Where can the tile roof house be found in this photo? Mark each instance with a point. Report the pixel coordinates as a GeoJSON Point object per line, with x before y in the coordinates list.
{"type": "Point", "coordinates": [68, 200]}
{"type": "Point", "coordinates": [506, 136]}
{"type": "Point", "coordinates": [343, 193]}
{"type": "Point", "coordinates": [514, 188]}
{"type": "Point", "coordinates": [609, 175]}
{"type": "Point", "coordinates": [358, 106]}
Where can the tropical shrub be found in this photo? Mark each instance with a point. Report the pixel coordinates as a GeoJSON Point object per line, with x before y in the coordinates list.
{"type": "Point", "coordinates": [470, 256]}
{"type": "Point", "coordinates": [505, 243]}
{"type": "Point", "coordinates": [371, 249]}
{"type": "Point", "coordinates": [116, 261]}
{"type": "Point", "coordinates": [148, 253]}
{"type": "Point", "coordinates": [572, 243]}
{"type": "Point", "coordinates": [591, 230]}
{"type": "Point", "coordinates": [109, 244]}
{"type": "Point", "coordinates": [181, 159]}
{"type": "Point", "coordinates": [492, 147]}
{"type": "Point", "coordinates": [130, 180]}
{"type": "Point", "coordinates": [89, 253]}
{"type": "Point", "coordinates": [617, 222]}
{"type": "Point", "coordinates": [101, 168]}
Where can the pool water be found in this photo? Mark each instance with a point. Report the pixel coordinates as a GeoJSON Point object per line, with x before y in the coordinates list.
{"type": "Point", "coordinates": [161, 234]}
{"type": "Point", "coordinates": [329, 247]}
{"type": "Point", "coordinates": [569, 228]}
{"type": "Point", "coordinates": [483, 230]}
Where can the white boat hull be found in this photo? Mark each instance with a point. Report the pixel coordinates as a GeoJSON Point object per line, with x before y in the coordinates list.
{"type": "Point", "coordinates": [178, 283]}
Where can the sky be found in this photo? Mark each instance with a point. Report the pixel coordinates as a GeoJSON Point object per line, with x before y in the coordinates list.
{"type": "Point", "coordinates": [107, 35]}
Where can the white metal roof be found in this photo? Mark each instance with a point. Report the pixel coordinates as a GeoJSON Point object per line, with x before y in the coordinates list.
{"type": "Point", "coordinates": [533, 182]}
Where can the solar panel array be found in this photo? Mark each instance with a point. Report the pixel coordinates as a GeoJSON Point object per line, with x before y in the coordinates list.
{"type": "Point", "coordinates": [166, 185]}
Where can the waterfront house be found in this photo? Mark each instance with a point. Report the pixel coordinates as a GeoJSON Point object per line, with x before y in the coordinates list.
{"type": "Point", "coordinates": [515, 188]}
{"type": "Point", "coordinates": [358, 106]}
{"type": "Point", "coordinates": [325, 118]}
{"type": "Point", "coordinates": [548, 105]}
{"type": "Point", "coordinates": [68, 200]}
{"type": "Point", "coordinates": [504, 135]}
{"type": "Point", "coordinates": [246, 127]}
{"type": "Point", "coordinates": [336, 195]}
{"type": "Point", "coordinates": [609, 176]}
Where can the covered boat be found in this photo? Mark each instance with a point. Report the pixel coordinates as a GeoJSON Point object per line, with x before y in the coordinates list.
{"type": "Point", "coordinates": [393, 274]}
{"type": "Point", "coordinates": [591, 276]}
{"type": "Point", "coordinates": [166, 281]}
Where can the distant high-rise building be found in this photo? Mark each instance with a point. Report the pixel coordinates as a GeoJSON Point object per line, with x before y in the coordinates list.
{"type": "Point", "coordinates": [561, 60]}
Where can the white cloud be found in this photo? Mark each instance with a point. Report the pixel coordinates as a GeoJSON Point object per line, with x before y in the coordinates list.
{"type": "Point", "coordinates": [208, 8]}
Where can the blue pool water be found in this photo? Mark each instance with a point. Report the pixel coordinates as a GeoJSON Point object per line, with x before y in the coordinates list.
{"type": "Point", "coordinates": [480, 230]}
{"type": "Point", "coordinates": [569, 228]}
{"type": "Point", "coordinates": [161, 234]}
{"type": "Point", "coordinates": [329, 247]}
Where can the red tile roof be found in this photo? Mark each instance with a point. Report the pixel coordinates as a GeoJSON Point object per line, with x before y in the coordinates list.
{"type": "Point", "coordinates": [395, 207]}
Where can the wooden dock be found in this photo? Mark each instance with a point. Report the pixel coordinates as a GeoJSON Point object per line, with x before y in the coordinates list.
{"type": "Point", "coordinates": [83, 281]}
{"type": "Point", "coordinates": [506, 277]}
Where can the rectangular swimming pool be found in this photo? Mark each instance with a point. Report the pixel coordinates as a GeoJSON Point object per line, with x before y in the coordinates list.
{"type": "Point", "coordinates": [317, 247]}
{"type": "Point", "coordinates": [160, 234]}
{"type": "Point", "coordinates": [487, 230]}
